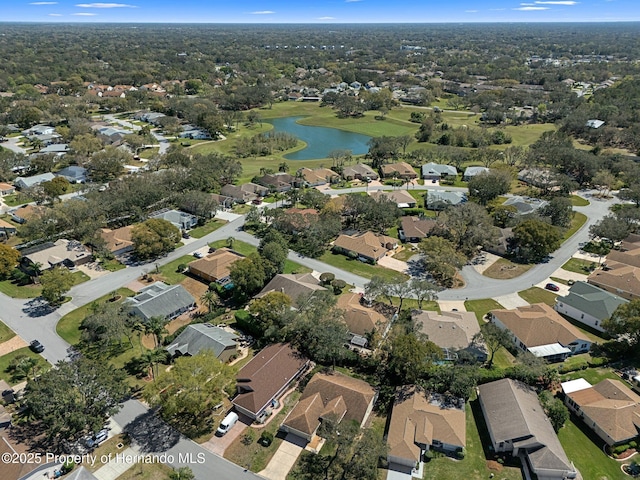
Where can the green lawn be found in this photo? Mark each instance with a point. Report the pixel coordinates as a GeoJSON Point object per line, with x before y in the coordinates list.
{"type": "Point", "coordinates": [538, 295]}
{"type": "Point", "coordinates": [246, 249]}
{"type": "Point", "coordinates": [5, 360]}
{"type": "Point", "coordinates": [359, 268]}
{"type": "Point", "coordinates": [169, 272]}
{"type": "Point", "coordinates": [293, 267]}
{"type": "Point", "coordinates": [505, 269]}
{"type": "Point", "coordinates": [578, 221]}
{"type": "Point", "coordinates": [16, 199]}
{"type": "Point", "coordinates": [591, 375]}
{"type": "Point", "coordinates": [32, 291]}
{"type": "Point", "coordinates": [578, 265]}
{"type": "Point", "coordinates": [207, 228]}
{"type": "Point", "coordinates": [6, 333]}
{"type": "Point", "coordinates": [578, 201]}
{"type": "Point", "coordinates": [474, 465]}
{"type": "Point", "coordinates": [481, 307]}
{"type": "Point", "coordinates": [584, 449]}
{"type": "Point", "coordinates": [111, 265]}
{"type": "Point", "coordinates": [503, 359]}
{"type": "Point", "coordinates": [69, 326]}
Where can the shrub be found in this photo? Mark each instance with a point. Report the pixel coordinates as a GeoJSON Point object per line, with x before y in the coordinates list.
{"type": "Point", "coordinates": [633, 444]}
{"type": "Point", "coordinates": [620, 448]}
{"type": "Point", "coordinates": [266, 438]}
{"type": "Point", "coordinates": [181, 268]}
{"type": "Point", "coordinates": [249, 437]}
{"type": "Point", "coordinates": [461, 453]}
{"type": "Point", "coordinates": [327, 277]}
{"type": "Point", "coordinates": [338, 286]}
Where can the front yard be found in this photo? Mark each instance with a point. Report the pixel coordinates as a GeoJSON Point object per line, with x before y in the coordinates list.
{"type": "Point", "coordinates": [481, 307]}
{"type": "Point", "coordinates": [207, 228]}
{"type": "Point", "coordinates": [578, 265]}
{"type": "Point", "coordinates": [5, 361]}
{"type": "Point", "coordinates": [538, 295]}
{"type": "Point", "coordinates": [12, 289]}
{"type": "Point", "coordinates": [360, 268]}
{"type": "Point", "coordinates": [246, 249]}
{"type": "Point", "coordinates": [505, 269]}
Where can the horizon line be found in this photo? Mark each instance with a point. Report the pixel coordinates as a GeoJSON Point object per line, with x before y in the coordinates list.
{"type": "Point", "coordinates": [442, 22]}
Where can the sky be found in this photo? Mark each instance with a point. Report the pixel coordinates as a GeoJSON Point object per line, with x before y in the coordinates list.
{"type": "Point", "coordinates": [321, 11]}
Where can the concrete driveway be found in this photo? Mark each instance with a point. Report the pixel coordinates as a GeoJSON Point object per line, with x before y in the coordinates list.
{"type": "Point", "coordinates": [285, 458]}
{"type": "Point", "coordinates": [512, 300]}
{"type": "Point", "coordinates": [452, 305]}
{"type": "Point", "coordinates": [218, 445]}
{"type": "Point", "coordinates": [393, 264]}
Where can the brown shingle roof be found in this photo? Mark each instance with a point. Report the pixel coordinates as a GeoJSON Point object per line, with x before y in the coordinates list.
{"type": "Point", "coordinates": [538, 324]}
{"type": "Point", "coordinates": [117, 239]}
{"type": "Point", "coordinates": [621, 279]}
{"type": "Point", "coordinates": [366, 244]}
{"type": "Point", "coordinates": [359, 319]}
{"type": "Point", "coordinates": [293, 285]}
{"type": "Point", "coordinates": [417, 419]}
{"type": "Point", "coordinates": [403, 169]}
{"type": "Point", "coordinates": [339, 395]}
{"type": "Point", "coordinates": [613, 407]}
{"type": "Point", "coordinates": [448, 329]}
{"type": "Point", "coordinates": [214, 266]}
{"type": "Point", "coordinates": [398, 197]}
{"type": "Point", "coordinates": [272, 369]}
{"type": "Point", "coordinates": [318, 175]}
{"type": "Point", "coordinates": [414, 227]}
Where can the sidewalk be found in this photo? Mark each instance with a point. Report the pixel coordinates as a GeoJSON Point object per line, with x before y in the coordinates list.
{"type": "Point", "coordinates": [117, 466]}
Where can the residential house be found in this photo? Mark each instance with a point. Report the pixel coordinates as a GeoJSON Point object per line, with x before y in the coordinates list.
{"type": "Point", "coordinates": [296, 220]}
{"type": "Point", "coordinates": [361, 321]}
{"type": "Point", "coordinates": [402, 198]}
{"type": "Point", "coordinates": [594, 123]}
{"type": "Point", "coordinates": [366, 247]}
{"type": "Point", "coordinates": [420, 422]}
{"type": "Point", "coordinates": [28, 182]}
{"type": "Point", "coordinates": [6, 189]}
{"type": "Point", "coordinates": [7, 230]}
{"type": "Point", "coordinates": [180, 219]}
{"type": "Point", "coordinates": [73, 173]}
{"type": "Point", "coordinates": [204, 336]}
{"type": "Point", "coordinates": [161, 300]}
{"type": "Point", "coordinates": [112, 135]}
{"type": "Point", "coordinates": [441, 199]}
{"type": "Point", "coordinates": [215, 267]}
{"type": "Point", "coordinates": [538, 177]}
{"type": "Point", "coordinates": [152, 117]}
{"type": "Point", "coordinates": [539, 329]}
{"type": "Point", "coordinates": [9, 446]}
{"type": "Point", "coordinates": [330, 396]}
{"type": "Point", "coordinates": [22, 214]}
{"type": "Point", "coordinates": [359, 171]}
{"type": "Point", "coordinates": [318, 176]}
{"type": "Point", "coordinates": [58, 149]}
{"type": "Point", "coordinates": [263, 380]}
{"type": "Point", "coordinates": [117, 241]}
{"type": "Point", "coordinates": [518, 425]}
{"type": "Point", "coordinates": [247, 192]}
{"type": "Point", "coordinates": [435, 171]}
{"type": "Point", "coordinates": [278, 182]}
{"type": "Point", "coordinates": [471, 172]}
{"type": "Point", "coordinates": [39, 130]}
{"type": "Point", "coordinates": [67, 253]}
{"type": "Point", "coordinates": [293, 285]}
{"type": "Point", "coordinates": [398, 170]}
{"type": "Point", "coordinates": [223, 201]}
{"type": "Point", "coordinates": [194, 133]}
{"type": "Point", "coordinates": [80, 473]}
{"type": "Point", "coordinates": [588, 304]}
{"type": "Point", "coordinates": [609, 408]}
{"type": "Point", "coordinates": [617, 278]}
{"type": "Point", "coordinates": [414, 229]}
{"type": "Point", "coordinates": [454, 332]}
{"type": "Point", "coordinates": [525, 205]}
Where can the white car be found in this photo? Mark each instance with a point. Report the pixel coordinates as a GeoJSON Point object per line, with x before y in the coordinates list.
{"type": "Point", "coordinates": [198, 254]}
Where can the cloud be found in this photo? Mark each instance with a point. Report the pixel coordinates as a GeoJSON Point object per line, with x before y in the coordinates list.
{"type": "Point", "coordinates": [326, 18]}
{"type": "Point", "coordinates": [558, 2]}
{"type": "Point", "coordinates": [43, 3]}
{"type": "Point", "coordinates": [105, 5]}
{"type": "Point", "coordinates": [55, 15]}
{"type": "Point", "coordinates": [84, 14]}
{"type": "Point", "coordinates": [263, 12]}
{"type": "Point", "coordinates": [471, 11]}
{"type": "Point", "coordinates": [531, 9]}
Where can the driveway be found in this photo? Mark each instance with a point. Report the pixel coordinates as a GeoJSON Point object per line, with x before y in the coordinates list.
{"type": "Point", "coordinates": [218, 445]}
{"type": "Point", "coordinates": [393, 264]}
{"type": "Point", "coordinates": [511, 300]}
{"type": "Point", "coordinates": [285, 458]}
{"type": "Point", "coordinates": [452, 305]}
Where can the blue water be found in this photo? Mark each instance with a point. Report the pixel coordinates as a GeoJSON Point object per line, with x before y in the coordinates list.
{"type": "Point", "coordinates": [320, 140]}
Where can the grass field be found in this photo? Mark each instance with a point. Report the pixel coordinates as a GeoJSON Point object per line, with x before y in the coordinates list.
{"type": "Point", "coordinates": [505, 269]}
{"type": "Point", "coordinates": [538, 295]}
{"type": "Point", "coordinates": [5, 360]}
{"type": "Point", "coordinates": [481, 307]}
{"type": "Point", "coordinates": [360, 268]}
{"type": "Point", "coordinates": [578, 221]}
{"type": "Point", "coordinates": [474, 465]}
{"type": "Point", "coordinates": [32, 291]}
{"type": "Point", "coordinates": [578, 201]}
{"type": "Point", "coordinates": [584, 449]}
{"type": "Point", "coordinates": [69, 326]}
{"type": "Point", "coordinates": [578, 265]}
{"type": "Point", "coordinates": [169, 272]}
{"type": "Point", "coordinates": [207, 228]}
{"type": "Point", "coordinates": [6, 333]}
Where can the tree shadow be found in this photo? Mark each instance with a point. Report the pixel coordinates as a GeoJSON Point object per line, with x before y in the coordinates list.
{"type": "Point", "coordinates": [151, 433]}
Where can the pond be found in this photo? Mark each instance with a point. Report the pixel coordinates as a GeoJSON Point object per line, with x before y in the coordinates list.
{"type": "Point", "coordinates": [320, 140]}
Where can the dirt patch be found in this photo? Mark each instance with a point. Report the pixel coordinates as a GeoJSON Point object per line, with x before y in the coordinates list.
{"type": "Point", "coordinates": [195, 288]}
{"type": "Point", "coordinates": [494, 466]}
{"type": "Point", "coordinates": [12, 345]}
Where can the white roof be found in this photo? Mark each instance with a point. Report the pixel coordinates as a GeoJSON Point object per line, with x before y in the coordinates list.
{"type": "Point", "coordinates": [548, 350]}
{"type": "Point", "coordinates": [575, 385]}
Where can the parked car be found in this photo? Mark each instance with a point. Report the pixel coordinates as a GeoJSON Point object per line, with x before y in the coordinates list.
{"type": "Point", "coordinates": [226, 424]}
{"type": "Point", "coordinates": [98, 438]}
{"type": "Point", "coordinates": [198, 254]}
{"type": "Point", "coordinates": [36, 346]}
{"type": "Point", "coordinates": [552, 286]}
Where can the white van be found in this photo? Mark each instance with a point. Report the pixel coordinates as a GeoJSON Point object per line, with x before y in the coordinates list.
{"type": "Point", "coordinates": [226, 424]}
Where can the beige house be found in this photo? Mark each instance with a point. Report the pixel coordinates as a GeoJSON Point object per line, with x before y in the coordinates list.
{"type": "Point", "coordinates": [360, 320]}
{"type": "Point", "coordinates": [330, 396]}
{"type": "Point", "coordinates": [421, 422]}
{"type": "Point", "coordinates": [609, 408]}
{"type": "Point", "coordinates": [293, 285]}
{"type": "Point", "coordinates": [398, 170]}
{"type": "Point", "coordinates": [117, 241]}
{"type": "Point", "coordinates": [359, 171]}
{"type": "Point", "coordinates": [367, 247]}
{"type": "Point", "coordinates": [539, 329]}
{"type": "Point", "coordinates": [621, 276]}
{"type": "Point", "coordinates": [402, 198]}
{"type": "Point", "coordinates": [318, 176]}
{"type": "Point", "coordinates": [215, 267]}
{"type": "Point", "coordinates": [414, 229]}
{"type": "Point", "coordinates": [6, 189]}
{"type": "Point", "coordinates": [62, 252]}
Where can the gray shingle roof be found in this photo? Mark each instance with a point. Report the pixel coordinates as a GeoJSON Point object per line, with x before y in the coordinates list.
{"type": "Point", "coordinates": [202, 336]}
{"type": "Point", "coordinates": [436, 168]}
{"type": "Point", "coordinates": [160, 300]}
{"type": "Point", "coordinates": [593, 300]}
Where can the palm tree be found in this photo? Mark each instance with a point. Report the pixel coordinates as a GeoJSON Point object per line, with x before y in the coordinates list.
{"type": "Point", "coordinates": [156, 327]}
{"type": "Point", "coordinates": [210, 299]}
{"type": "Point", "coordinates": [283, 167]}
{"type": "Point", "coordinates": [230, 242]}
{"type": "Point", "coordinates": [151, 358]}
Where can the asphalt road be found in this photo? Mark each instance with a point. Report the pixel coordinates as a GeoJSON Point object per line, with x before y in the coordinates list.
{"type": "Point", "coordinates": [156, 437]}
